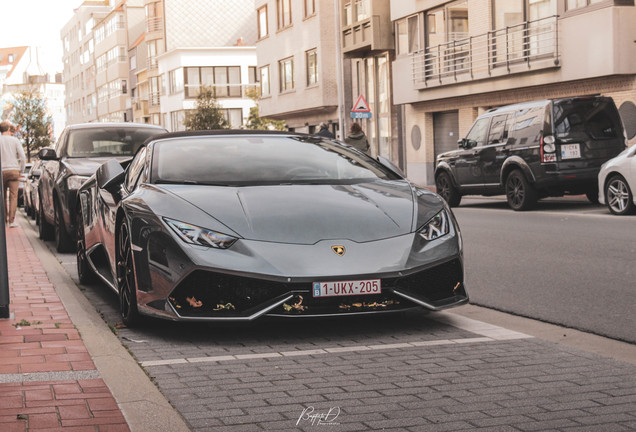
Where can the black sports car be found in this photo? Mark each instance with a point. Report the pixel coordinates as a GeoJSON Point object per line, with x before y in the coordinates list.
{"type": "Point", "coordinates": [235, 225]}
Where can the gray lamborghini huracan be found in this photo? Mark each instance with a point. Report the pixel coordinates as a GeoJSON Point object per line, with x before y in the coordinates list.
{"type": "Point", "coordinates": [236, 225]}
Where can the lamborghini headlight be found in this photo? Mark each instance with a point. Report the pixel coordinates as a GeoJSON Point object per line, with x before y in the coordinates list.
{"type": "Point", "coordinates": [438, 226]}
{"type": "Point", "coordinates": [74, 182]}
{"type": "Point", "coordinates": [193, 234]}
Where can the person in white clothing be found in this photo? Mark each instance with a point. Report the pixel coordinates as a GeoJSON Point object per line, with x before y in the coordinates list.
{"type": "Point", "coordinates": [13, 162]}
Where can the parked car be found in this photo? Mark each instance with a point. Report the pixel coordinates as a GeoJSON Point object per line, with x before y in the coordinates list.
{"type": "Point", "coordinates": [617, 183]}
{"type": "Point", "coordinates": [23, 177]}
{"type": "Point", "coordinates": [30, 188]}
{"type": "Point", "coordinates": [80, 150]}
{"type": "Point", "coordinates": [533, 150]}
{"type": "Point", "coordinates": [235, 225]}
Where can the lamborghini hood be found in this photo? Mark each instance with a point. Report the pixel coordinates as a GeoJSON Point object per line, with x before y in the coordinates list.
{"type": "Point", "coordinates": [306, 214]}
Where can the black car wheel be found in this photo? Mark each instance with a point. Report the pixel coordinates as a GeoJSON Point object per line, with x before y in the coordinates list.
{"type": "Point", "coordinates": [63, 241]}
{"type": "Point", "coordinates": [84, 271]}
{"type": "Point", "coordinates": [126, 278]}
{"type": "Point", "coordinates": [45, 229]}
{"type": "Point", "coordinates": [446, 190]}
{"type": "Point", "coordinates": [521, 195]}
{"type": "Point", "coordinates": [592, 194]}
{"type": "Point", "coordinates": [618, 196]}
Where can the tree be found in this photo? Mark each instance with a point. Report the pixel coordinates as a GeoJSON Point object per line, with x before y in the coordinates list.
{"type": "Point", "coordinates": [207, 115]}
{"type": "Point", "coordinates": [33, 123]}
{"type": "Point", "coordinates": [256, 122]}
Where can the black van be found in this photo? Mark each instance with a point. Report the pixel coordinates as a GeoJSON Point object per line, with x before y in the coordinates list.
{"type": "Point", "coordinates": [533, 150]}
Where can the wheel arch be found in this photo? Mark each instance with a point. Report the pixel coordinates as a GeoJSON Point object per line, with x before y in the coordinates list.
{"type": "Point", "coordinates": [443, 167]}
{"type": "Point", "coordinates": [513, 163]}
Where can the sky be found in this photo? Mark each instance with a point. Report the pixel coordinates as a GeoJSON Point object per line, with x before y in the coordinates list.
{"type": "Point", "coordinates": [36, 23]}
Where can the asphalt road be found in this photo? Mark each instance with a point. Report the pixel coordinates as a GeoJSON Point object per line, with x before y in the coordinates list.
{"type": "Point", "coordinates": [568, 262]}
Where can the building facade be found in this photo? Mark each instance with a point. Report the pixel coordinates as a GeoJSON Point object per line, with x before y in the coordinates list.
{"type": "Point", "coordinates": [456, 59]}
{"type": "Point", "coordinates": [297, 63]}
{"type": "Point", "coordinates": [78, 58]}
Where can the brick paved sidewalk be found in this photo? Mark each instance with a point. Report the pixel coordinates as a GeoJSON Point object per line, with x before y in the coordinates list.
{"type": "Point", "coordinates": [47, 378]}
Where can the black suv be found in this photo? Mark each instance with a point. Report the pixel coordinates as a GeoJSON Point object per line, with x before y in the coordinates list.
{"type": "Point", "coordinates": [79, 151]}
{"type": "Point", "coordinates": [533, 150]}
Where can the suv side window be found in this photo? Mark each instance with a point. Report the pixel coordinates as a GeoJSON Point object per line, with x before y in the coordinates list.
{"type": "Point", "coordinates": [477, 134]}
{"type": "Point", "coordinates": [528, 125]}
{"type": "Point", "coordinates": [498, 129]}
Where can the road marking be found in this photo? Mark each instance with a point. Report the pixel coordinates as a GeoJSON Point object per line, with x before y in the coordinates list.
{"type": "Point", "coordinates": [486, 332]}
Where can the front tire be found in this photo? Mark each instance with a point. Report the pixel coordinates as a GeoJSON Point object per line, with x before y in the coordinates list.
{"type": "Point", "coordinates": [446, 190]}
{"type": "Point", "coordinates": [619, 197]}
{"type": "Point", "coordinates": [126, 281]}
{"type": "Point", "coordinates": [521, 195]}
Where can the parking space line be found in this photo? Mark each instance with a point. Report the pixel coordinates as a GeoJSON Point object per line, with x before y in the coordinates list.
{"type": "Point", "coordinates": [334, 350]}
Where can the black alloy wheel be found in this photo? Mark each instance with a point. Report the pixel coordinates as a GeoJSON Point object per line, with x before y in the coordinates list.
{"type": "Point", "coordinates": [521, 195]}
{"type": "Point", "coordinates": [618, 196]}
{"type": "Point", "coordinates": [446, 190]}
{"type": "Point", "coordinates": [126, 283]}
{"type": "Point", "coordinates": [85, 273]}
{"type": "Point", "coordinates": [63, 241]}
{"type": "Point", "coordinates": [45, 229]}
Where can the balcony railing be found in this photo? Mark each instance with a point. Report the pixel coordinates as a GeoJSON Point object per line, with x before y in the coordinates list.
{"type": "Point", "coordinates": [498, 51]}
{"type": "Point", "coordinates": [154, 98]}
{"type": "Point", "coordinates": [154, 24]}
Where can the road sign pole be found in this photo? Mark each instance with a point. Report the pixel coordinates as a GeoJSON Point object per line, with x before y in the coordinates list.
{"type": "Point", "coordinates": [4, 270]}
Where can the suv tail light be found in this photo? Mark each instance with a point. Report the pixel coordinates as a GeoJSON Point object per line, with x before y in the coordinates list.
{"type": "Point", "coordinates": [548, 149]}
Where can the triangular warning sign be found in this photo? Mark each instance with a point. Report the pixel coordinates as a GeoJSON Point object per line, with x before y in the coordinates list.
{"type": "Point", "coordinates": [361, 105]}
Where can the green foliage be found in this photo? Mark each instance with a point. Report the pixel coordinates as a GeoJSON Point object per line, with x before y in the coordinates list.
{"type": "Point", "coordinates": [256, 122]}
{"type": "Point", "coordinates": [207, 115]}
{"type": "Point", "coordinates": [34, 125]}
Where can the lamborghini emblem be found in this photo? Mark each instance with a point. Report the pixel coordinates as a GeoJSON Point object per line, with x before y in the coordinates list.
{"type": "Point", "coordinates": [339, 250]}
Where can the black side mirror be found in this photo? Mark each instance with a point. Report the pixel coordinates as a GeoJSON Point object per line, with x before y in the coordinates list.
{"type": "Point", "coordinates": [110, 176]}
{"type": "Point", "coordinates": [47, 154]}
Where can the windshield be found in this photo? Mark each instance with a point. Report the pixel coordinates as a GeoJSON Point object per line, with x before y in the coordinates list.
{"type": "Point", "coordinates": [238, 160]}
{"type": "Point", "coordinates": [107, 141]}
{"type": "Point", "coordinates": [595, 118]}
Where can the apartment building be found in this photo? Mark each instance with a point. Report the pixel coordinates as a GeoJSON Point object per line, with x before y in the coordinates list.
{"type": "Point", "coordinates": [368, 49]}
{"type": "Point", "coordinates": [112, 34]}
{"type": "Point", "coordinates": [456, 59]}
{"type": "Point", "coordinates": [79, 61]}
{"type": "Point", "coordinates": [189, 43]}
{"type": "Point", "coordinates": [298, 62]}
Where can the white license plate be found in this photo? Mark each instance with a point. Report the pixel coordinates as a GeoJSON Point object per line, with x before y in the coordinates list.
{"type": "Point", "coordinates": [570, 151]}
{"type": "Point", "coordinates": [347, 288]}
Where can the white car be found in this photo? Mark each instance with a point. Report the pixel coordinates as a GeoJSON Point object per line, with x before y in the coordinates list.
{"type": "Point", "coordinates": [617, 183]}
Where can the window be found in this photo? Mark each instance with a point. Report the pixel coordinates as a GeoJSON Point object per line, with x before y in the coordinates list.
{"type": "Point", "coordinates": [347, 15]}
{"type": "Point", "coordinates": [498, 130]}
{"type": "Point", "coordinates": [286, 74]}
{"type": "Point", "coordinates": [477, 134]}
{"type": "Point", "coordinates": [310, 7]}
{"type": "Point", "coordinates": [311, 57]}
{"type": "Point", "coordinates": [408, 35]}
{"type": "Point", "coordinates": [234, 117]}
{"type": "Point", "coordinates": [225, 80]}
{"type": "Point", "coordinates": [363, 9]}
{"type": "Point", "coordinates": [576, 4]}
{"type": "Point", "coordinates": [283, 9]}
{"type": "Point", "coordinates": [175, 81]}
{"type": "Point", "coordinates": [262, 22]}
{"type": "Point", "coordinates": [264, 75]}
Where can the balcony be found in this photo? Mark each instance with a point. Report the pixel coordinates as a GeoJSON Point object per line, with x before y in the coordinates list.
{"type": "Point", "coordinates": [531, 45]}
{"type": "Point", "coordinates": [154, 24]}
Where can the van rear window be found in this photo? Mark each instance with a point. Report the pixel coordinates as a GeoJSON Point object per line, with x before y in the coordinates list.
{"type": "Point", "coordinates": [586, 118]}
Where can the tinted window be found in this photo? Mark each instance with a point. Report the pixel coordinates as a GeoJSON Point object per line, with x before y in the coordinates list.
{"type": "Point", "coordinates": [586, 118]}
{"type": "Point", "coordinates": [477, 134]}
{"type": "Point", "coordinates": [135, 169]}
{"type": "Point", "coordinates": [528, 125]}
{"type": "Point", "coordinates": [251, 160]}
{"type": "Point", "coordinates": [107, 141]}
{"type": "Point", "coordinates": [498, 129]}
